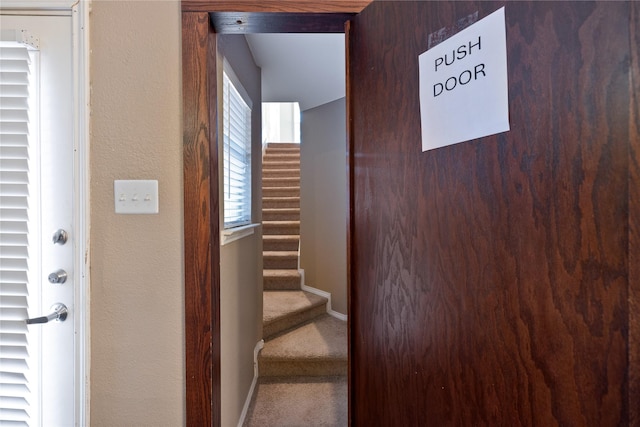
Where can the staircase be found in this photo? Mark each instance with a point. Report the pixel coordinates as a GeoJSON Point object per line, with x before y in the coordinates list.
{"type": "Point", "coordinates": [303, 365]}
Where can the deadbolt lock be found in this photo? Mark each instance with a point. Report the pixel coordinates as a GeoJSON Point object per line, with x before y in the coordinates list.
{"type": "Point", "coordinates": [58, 277]}
{"type": "Point", "coordinates": [60, 237]}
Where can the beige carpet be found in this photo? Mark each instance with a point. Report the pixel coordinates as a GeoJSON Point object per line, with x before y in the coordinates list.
{"type": "Point", "coordinates": [298, 402]}
{"type": "Point", "coordinates": [317, 348]}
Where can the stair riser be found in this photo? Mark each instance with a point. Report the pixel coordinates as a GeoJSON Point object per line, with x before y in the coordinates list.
{"type": "Point", "coordinates": [280, 263]}
{"type": "Point", "coordinates": [301, 368]}
{"type": "Point", "coordinates": [292, 320]}
{"type": "Point", "coordinates": [281, 182]}
{"type": "Point", "coordinates": [281, 283]}
{"type": "Point", "coordinates": [281, 192]}
{"type": "Point", "coordinates": [281, 203]}
{"type": "Point", "coordinates": [280, 229]}
{"type": "Point", "coordinates": [280, 165]}
{"type": "Point", "coordinates": [280, 245]}
{"type": "Point", "coordinates": [281, 173]}
{"type": "Point", "coordinates": [288, 150]}
{"type": "Point", "coordinates": [277, 216]}
{"type": "Point", "coordinates": [288, 215]}
{"type": "Point", "coordinates": [283, 145]}
{"type": "Point", "coordinates": [281, 157]}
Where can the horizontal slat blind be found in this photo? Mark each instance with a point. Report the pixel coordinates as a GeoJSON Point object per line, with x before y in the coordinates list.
{"type": "Point", "coordinates": [14, 251]}
{"type": "Point", "coordinates": [236, 157]}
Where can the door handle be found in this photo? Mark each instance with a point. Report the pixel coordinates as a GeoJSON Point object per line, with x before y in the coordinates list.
{"type": "Point", "coordinates": [59, 314]}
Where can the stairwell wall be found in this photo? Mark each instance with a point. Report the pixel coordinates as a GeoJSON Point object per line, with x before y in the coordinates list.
{"type": "Point", "coordinates": [241, 260]}
{"type": "Point", "coordinates": [323, 200]}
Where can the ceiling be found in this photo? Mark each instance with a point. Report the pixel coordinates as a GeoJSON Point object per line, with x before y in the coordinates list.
{"type": "Point", "coordinates": [304, 68]}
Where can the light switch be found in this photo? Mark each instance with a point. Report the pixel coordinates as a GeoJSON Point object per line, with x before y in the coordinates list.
{"type": "Point", "coordinates": [136, 196]}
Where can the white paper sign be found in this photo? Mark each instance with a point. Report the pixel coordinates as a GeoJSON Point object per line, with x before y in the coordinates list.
{"type": "Point", "coordinates": [463, 85]}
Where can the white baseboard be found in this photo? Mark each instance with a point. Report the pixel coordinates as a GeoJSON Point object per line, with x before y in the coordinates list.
{"type": "Point", "coordinates": [321, 293]}
{"type": "Point", "coordinates": [247, 402]}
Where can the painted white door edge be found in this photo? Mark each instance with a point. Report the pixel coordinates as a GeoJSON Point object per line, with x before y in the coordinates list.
{"type": "Point", "coordinates": [80, 22]}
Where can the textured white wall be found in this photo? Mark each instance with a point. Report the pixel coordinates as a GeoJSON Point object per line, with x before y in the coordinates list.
{"type": "Point", "coordinates": [137, 362]}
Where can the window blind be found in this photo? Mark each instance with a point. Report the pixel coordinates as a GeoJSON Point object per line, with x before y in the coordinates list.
{"type": "Point", "coordinates": [14, 249]}
{"type": "Point", "coordinates": [236, 156]}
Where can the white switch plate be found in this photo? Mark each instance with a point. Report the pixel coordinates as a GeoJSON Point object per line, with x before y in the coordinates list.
{"type": "Point", "coordinates": [136, 196]}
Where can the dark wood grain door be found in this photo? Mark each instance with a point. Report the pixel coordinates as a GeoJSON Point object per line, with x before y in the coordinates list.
{"type": "Point", "coordinates": [490, 279]}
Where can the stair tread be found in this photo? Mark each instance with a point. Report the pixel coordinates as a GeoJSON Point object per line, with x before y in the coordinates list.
{"type": "Point", "coordinates": [316, 398]}
{"type": "Point", "coordinates": [280, 162]}
{"type": "Point", "coordinates": [281, 178]}
{"type": "Point", "coordinates": [281, 237]}
{"type": "Point", "coordinates": [280, 304]}
{"type": "Point", "coordinates": [286, 222]}
{"type": "Point", "coordinates": [288, 155]}
{"type": "Point", "coordinates": [325, 337]}
{"type": "Point", "coordinates": [280, 254]}
{"type": "Point", "coordinates": [283, 144]}
{"type": "Point", "coordinates": [281, 198]}
{"type": "Point", "coordinates": [280, 182]}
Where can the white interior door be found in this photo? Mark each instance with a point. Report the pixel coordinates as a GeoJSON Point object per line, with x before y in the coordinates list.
{"type": "Point", "coordinates": [48, 399]}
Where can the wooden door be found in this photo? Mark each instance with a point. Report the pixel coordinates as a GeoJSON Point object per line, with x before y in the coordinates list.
{"type": "Point", "coordinates": [491, 280]}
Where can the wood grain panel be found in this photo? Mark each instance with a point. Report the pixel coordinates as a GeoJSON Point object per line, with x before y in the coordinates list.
{"type": "Point", "coordinates": [634, 219]}
{"type": "Point", "coordinates": [292, 6]}
{"type": "Point", "coordinates": [490, 279]}
{"type": "Point", "coordinates": [201, 226]}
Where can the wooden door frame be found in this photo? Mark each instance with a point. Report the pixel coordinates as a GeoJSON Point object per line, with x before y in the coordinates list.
{"type": "Point", "coordinates": [200, 169]}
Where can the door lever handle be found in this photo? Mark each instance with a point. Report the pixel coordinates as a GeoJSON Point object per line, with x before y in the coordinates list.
{"type": "Point", "coordinates": [59, 314]}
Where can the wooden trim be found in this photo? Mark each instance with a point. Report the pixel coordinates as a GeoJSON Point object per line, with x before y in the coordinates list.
{"type": "Point", "coordinates": [350, 217]}
{"type": "Point", "coordinates": [201, 225]}
{"type": "Point", "coordinates": [634, 217]}
{"type": "Point", "coordinates": [292, 6]}
{"type": "Point", "coordinates": [265, 22]}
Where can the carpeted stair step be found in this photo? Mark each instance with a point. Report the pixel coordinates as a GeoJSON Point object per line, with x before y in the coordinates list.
{"type": "Point", "coordinates": [293, 191]}
{"type": "Point", "coordinates": [284, 145]}
{"type": "Point", "coordinates": [281, 165]}
{"type": "Point", "coordinates": [281, 280]}
{"type": "Point", "coordinates": [299, 401]}
{"type": "Point", "coordinates": [280, 227]}
{"type": "Point", "coordinates": [274, 173]}
{"type": "Point", "coordinates": [282, 150]}
{"type": "Point", "coordinates": [318, 348]}
{"type": "Point", "coordinates": [280, 259]}
{"type": "Point", "coordinates": [280, 214]}
{"type": "Point", "coordinates": [281, 242]}
{"type": "Point", "coordinates": [283, 310]}
{"type": "Point", "coordinates": [281, 202]}
{"type": "Point", "coordinates": [281, 181]}
{"type": "Point", "coordinates": [282, 157]}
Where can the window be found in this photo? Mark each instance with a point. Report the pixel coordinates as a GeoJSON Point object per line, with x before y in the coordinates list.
{"type": "Point", "coordinates": [236, 116]}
